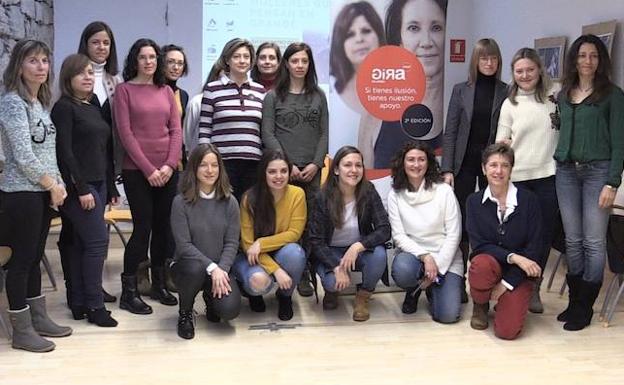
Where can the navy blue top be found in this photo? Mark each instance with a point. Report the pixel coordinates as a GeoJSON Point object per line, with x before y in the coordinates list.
{"type": "Point", "coordinates": [520, 233]}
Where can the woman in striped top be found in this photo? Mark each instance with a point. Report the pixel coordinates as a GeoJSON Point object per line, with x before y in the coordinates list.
{"type": "Point", "coordinates": [231, 114]}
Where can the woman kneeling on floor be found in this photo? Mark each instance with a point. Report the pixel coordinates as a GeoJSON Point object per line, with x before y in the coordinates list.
{"type": "Point", "coordinates": [273, 215]}
{"type": "Point", "coordinates": [426, 229]}
{"type": "Point", "coordinates": [505, 230]}
{"type": "Point", "coordinates": [206, 229]}
{"type": "Point", "coordinates": [348, 229]}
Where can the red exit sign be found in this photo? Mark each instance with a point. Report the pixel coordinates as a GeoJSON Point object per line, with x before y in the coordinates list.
{"type": "Point", "coordinates": [458, 50]}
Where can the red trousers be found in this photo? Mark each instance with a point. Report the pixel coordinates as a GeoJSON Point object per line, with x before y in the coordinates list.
{"type": "Point", "coordinates": [511, 309]}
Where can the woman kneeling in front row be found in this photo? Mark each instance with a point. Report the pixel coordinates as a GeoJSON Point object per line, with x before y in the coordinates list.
{"type": "Point", "coordinates": [348, 229]}
{"type": "Point", "coordinates": [273, 215]}
{"type": "Point", "coordinates": [206, 229]}
{"type": "Point", "coordinates": [504, 226]}
{"type": "Point", "coordinates": [426, 229]}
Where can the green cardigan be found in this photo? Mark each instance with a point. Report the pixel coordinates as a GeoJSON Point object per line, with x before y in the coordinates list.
{"type": "Point", "coordinates": [594, 131]}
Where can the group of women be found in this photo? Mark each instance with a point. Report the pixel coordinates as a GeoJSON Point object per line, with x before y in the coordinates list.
{"type": "Point", "coordinates": [264, 149]}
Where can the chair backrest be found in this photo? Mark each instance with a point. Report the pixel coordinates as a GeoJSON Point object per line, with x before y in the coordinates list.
{"type": "Point", "coordinates": [615, 243]}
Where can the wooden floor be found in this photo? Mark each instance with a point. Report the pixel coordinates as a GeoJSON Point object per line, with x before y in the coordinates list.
{"type": "Point", "coordinates": [316, 347]}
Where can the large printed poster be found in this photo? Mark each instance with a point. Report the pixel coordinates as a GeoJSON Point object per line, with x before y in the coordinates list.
{"type": "Point", "coordinates": [386, 75]}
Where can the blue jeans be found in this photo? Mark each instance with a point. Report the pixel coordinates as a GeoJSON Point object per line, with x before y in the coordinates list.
{"type": "Point", "coordinates": [445, 298]}
{"type": "Point", "coordinates": [291, 257]}
{"type": "Point", "coordinates": [372, 264]}
{"type": "Point", "coordinates": [585, 224]}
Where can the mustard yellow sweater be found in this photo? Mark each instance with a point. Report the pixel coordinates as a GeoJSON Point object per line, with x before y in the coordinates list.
{"type": "Point", "coordinates": [290, 219]}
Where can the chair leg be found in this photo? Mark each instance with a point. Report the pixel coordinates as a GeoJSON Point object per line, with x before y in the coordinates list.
{"type": "Point", "coordinates": [554, 271]}
{"type": "Point", "coordinates": [121, 236]}
{"type": "Point", "coordinates": [607, 298]}
{"type": "Point", "coordinates": [48, 268]}
{"type": "Point", "coordinates": [614, 303]}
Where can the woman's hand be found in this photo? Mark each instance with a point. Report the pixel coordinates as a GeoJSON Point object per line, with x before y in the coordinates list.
{"type": "Point", "coordinates": [607, 197]}
{"type": "Point", "coordinates": [283, 279]}
{"type": "Point", "coordinates": [166, 172]}
{"type": "Point", "coordinates": [497, 291]}
{"type": "Point", "coordinates": [156, 179]}
{"type": "Point", "coordinates": [347, 263]}
{"type": "Point", "coordinates": [449, 179]}
{"type": "Point", "coordinates": [342, 278]}
{"type": "Point", "coordinates": [57, 195]}
{"type": "Point", "coordinates": [295, 173]}
{"type": "Point", "coordinates": [308, 172]}
{"type": "Point", "coordinates": [220, 283]}
{"type": "Point", "coordinates": [87, 201]}
{"type": "Point", "coordinates": [253, 252]}
{"type": "Point", "coordinates": [530, 267]}
{"type": "Point", "coordinates": [431, 271]}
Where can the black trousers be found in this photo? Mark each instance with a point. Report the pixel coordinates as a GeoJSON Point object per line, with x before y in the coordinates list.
{"type": "Point", "coordinates": [242, 174]}
{"type": "Point", "coordinates": [191, 277]}
{"type": "Point", "coordinates": [27, 215]}
{"type": "Point", "coordinates": [151, 210]}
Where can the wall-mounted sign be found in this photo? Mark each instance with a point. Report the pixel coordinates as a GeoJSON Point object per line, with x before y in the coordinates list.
{"type": "Point", "coordinates": [458, 50]}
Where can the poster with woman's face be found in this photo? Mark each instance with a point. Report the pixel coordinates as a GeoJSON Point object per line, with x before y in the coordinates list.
{"type": "Point", "coordinates": [386, 75]}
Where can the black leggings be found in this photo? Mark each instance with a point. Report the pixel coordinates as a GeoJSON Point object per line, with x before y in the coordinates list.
{"type": "Point", "coordinates": [191, 277]}
{"type": "Point", "coordinates": [27, 215]}
{"type": "Point", "coordinates": [150, 208]}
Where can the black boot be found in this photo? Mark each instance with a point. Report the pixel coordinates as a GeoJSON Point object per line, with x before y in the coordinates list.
{"type": "Point", "coordinates": [211, 316]}
{"type": "Point", "coordinates": [101, 317]}
{"type": "Point", "coordinates": [573, 288]}
{"type": "Point", "coordinates": [284, 307]}
{"type": "Point", "coordinates": [108, 297]}
{"type": "Point", "coordinates": [130, 298]}
{"type": "Point", "coordinates": [159, 291]}
{"type": "Point", "coordinates": [186, 329]}
{"type": "Point", "coordinates": [304, 287]}
{"type": "Point", "coordinates": [588, 292]}
{"type": "Point", "coordinates": [410, 302]}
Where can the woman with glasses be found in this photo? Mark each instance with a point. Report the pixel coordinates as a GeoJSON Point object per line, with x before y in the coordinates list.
{"type": "Point", "coordinates": [505, 228]}
{"type": "Point", "coordinates": [148, 122]}
{"type": "Point", "coordinates": [30, 185]}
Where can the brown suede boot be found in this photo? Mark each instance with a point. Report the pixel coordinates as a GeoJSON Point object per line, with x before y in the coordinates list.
{"type": "Point", "coordinates": [360, 307]}
{"type": "Point", "coordinates": [479, 320]}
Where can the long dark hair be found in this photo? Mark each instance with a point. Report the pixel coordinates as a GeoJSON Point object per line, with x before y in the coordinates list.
{"type": "Point", "coordinates": [394, 19]}
{"type": "Point", "coordinates": [189, 186]}
{"type": "Point", "coordinates": [339, 65]}
{"type": "Point", "coordinates": [111, 67]}
{"type": "Point", "coordinates": [282, 85]}
{"type": "Point", "coordinates": [259, 198]}
{"type": "Point", "coordinates": [173, 47]}
{"type": "Point", "coordinates": [331, 189]}
{"type": "Point", "coordinates": [255, 72]}
{"type": "Point", "coordinates": [131, 64]}
{"type": "Point", "coordinates": [602, 78]}
{"type": "Point", "coordinates": [399, 177]}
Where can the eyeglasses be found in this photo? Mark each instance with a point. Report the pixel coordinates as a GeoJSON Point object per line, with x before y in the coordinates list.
{"type": "Point", "coordinates": [41, 131]}
{"type": "Point", "coordinates": [172, 63]}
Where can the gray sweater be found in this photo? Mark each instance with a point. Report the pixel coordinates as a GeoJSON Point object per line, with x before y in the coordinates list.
{"type": "Point", "coordinates": [29, 144]}
{"type": "Point", "coordinates": [207, 231]}
{"type": "Point", "coordinates": [298, 125]}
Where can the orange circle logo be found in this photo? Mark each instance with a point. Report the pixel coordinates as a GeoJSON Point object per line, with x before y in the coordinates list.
{"type": "Point", "coordinates": [389, 80]}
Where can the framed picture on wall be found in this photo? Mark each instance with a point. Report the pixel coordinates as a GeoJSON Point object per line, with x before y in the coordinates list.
{"type": "Point", "coordinates": [552, 52]}
{"type": "Point", "coordinates": [605, 31]}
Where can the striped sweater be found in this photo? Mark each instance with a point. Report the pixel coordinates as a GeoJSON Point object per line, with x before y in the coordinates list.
{"type": "Point", "coordinates": [231, 117]}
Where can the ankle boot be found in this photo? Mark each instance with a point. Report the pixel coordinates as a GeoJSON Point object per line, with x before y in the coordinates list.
{"type": "Point", "coordinates": [588, 292]}
{"type": "Point", "coordinates": [410, 302]}
{"type": "Point", "coordinates": [159, 291]}
{"type": "Point", "coordinates": [108, 297]}
{"type": "Point", "coordinates": [360, 306]}
{"type": "Point", "coordinates": [143, 281]}
{"type": "Point", "coordinates": [479, 320]}
{"type": "Point", "coordinates": [24, 335]}
{"type": "Point", "coordinates": [79, 312]}
{"type": "Point", "coordinates": [130, 299]}
{"type": "Point", "coordinates": [169, 282]}
{"type": "Point", "coordinates": [304, 287]}
{"type": "Point", "coordinates": [186, 329]}
{"type": "Point", "coordinates": [41, 322]}
{"type": "Point", "coordinates": [535, 303]}
{"type": "Point", "coordinates": [330, 300]}
{"type": "Point", "coordinates": [284, 307]}
{"type": "Point", "coordinates": [573, 296]}
{"type": "Point", "coordinates": [101, 317]}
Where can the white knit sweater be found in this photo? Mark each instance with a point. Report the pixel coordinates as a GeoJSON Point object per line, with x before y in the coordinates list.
{"type": "Point", "coordinates": [428, 221]}
{"type": "Point", "coordinates": [528, 126]}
